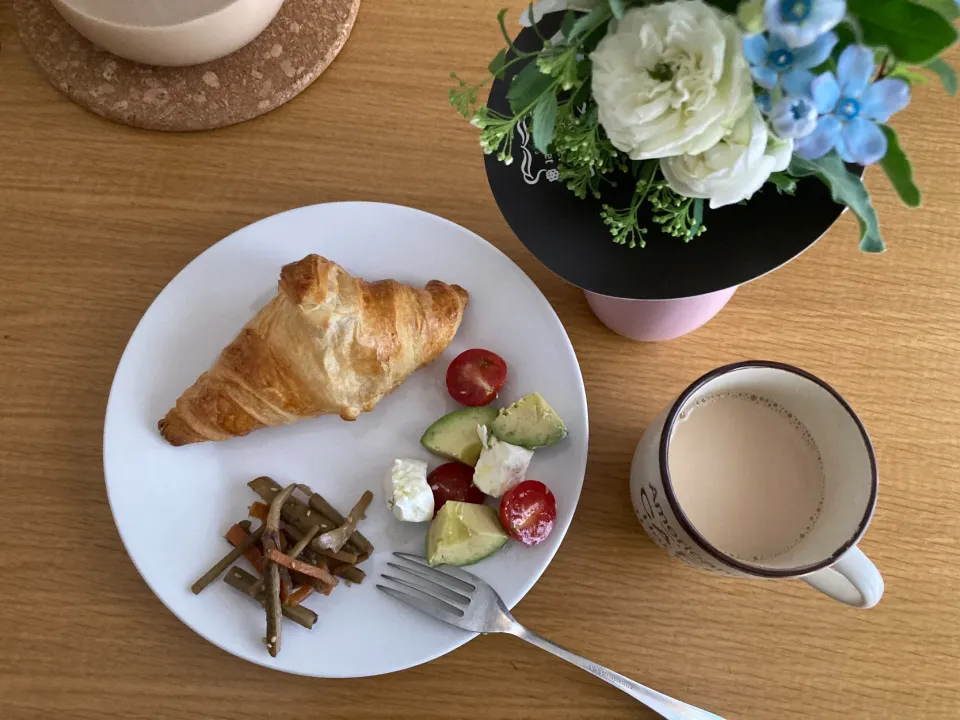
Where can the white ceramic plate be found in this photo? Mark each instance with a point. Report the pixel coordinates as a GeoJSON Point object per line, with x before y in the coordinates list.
{"type": "Point", "coordinates": [172, 505]}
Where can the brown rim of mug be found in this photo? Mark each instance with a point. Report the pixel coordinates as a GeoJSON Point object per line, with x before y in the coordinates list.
{"type": "Point", "coordinates": [685, 521]}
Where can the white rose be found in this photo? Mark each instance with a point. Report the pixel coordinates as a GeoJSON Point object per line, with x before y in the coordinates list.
{"type": "Point", "coordinates": [670, 79]}
{"type": "Point", "coordinates": [733, 169]}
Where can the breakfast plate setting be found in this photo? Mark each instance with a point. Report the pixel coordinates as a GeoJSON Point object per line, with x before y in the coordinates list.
{"type": "Point", "coordinates": [396, 381]}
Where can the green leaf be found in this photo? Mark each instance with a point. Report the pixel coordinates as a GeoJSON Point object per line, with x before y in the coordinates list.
{"type": "Point", "coordinates": [948, 76]}
{"type": "Point", "coordinates": [496, 65]}
{"type": "Point", "coordinates": [586, 24]}
{"type": "Point", "coordinates": [896, 165]}
{"type": "Point", "coordinates": [845, 38]}
{"type": "Point", "coordinates": [916, 34]}
{"type": "Point", "coordinates": [785, 184]}
{"type": "Point", "coordinates": [585, 69]}
{"type": "Point", "coordinates": [527, 87]}
{"type": "Point", "coordinates": [583, 95]}
{"type": "Point", "coordinates": [617, 7]}
{"type": "Point", "coordinates": [569, 19]}
{"type": "Point", "coordinates": [908, 73]}
{"type": "Point", "coordinates": [544, 122]}
{"type": "Point", "coordinates": [846, 189]}
{"type": "Point", "coordinates": [947, 8]}
{"type": "Point", "coordinates": [590, 42]}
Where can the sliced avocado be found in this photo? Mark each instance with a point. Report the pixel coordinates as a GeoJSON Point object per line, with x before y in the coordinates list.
{"type": "Point", "coordinates": [530, 422]}
{"type": "Point", "coordinates": [454, 436]}
{"type": "Point", "coordinates": [463, 533]}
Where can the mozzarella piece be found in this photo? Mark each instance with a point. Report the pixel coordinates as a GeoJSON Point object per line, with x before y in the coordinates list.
{"type": "Point", "coordinates": [407, 492]}
{"type": "Point", "coordinates": [501, 466]}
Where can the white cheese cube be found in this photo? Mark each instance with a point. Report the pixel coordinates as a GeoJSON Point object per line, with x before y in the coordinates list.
{"type": "Point", "coordinates": [501, 466]}
{"type": "Point", "coordinates": [407, 491]}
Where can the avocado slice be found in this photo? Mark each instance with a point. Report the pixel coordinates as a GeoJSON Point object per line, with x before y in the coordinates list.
{"type": "Point", "coordinates": [463, 533]}
{"type": "Point", "coordinates": [530, 422]}
{"type": "Point", "coordinates": [454, 436]}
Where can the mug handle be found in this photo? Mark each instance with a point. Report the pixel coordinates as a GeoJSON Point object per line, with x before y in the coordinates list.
{"type": "Point", "coordinates": [853, 580]}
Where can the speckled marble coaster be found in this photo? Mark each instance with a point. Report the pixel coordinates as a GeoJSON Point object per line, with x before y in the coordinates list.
{"type": "Point", "coordinates": [290, 54]}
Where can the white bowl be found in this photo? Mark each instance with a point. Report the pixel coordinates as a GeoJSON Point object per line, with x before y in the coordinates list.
{"type": "Point", "coordinates": [169, 32]}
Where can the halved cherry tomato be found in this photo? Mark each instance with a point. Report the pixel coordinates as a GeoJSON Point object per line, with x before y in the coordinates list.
{"type": "Point", "coordinates": [453, 481]}
{"type": "Point", "coordinates": [528, 512]}
{"type": "Point", "coordinates": [475, 377]}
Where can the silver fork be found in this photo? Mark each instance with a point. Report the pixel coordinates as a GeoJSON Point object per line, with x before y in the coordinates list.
{"type": "Point", "coordinates": [465, 601]}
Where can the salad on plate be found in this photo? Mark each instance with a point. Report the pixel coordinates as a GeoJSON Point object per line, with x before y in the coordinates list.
{"type": "Point", "coordinates": [481, 498]}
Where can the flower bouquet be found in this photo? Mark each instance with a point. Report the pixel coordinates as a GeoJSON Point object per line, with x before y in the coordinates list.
{"type": "Point", "coordinates": [708, 101]}
{"type": "Point", "coordinates": [696, 103]}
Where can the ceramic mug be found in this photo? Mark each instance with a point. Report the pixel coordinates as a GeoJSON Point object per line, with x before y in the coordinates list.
{"type": "Point", "coordinates": [169, 32]}
{"type": "Point", "coordinates": [827, 556]}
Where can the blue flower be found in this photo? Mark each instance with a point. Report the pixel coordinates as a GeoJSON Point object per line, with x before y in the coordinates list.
{"type": "Point", "coordinates": [771, 58]}
{"type": "Point", "coordinates": [794, 117]}
{"type": "Point", "coordinates": [800, 22]}
{"type": "Point", "coordinates": [851, 106]}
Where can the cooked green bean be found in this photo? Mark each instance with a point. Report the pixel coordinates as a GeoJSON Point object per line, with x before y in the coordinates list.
{"type": "Point", "coordinates": [318, 512]}
{"type": "Point", "coordinates": [251, 586]}
{"type": "Point", "coordinates": [317, 502]}
{"type": "Point", "coordinates": [349, 573]}
{"type": "Point", "coordinates": [301, 518]}
{"type": "Point", "coordinates": [227, 560]}
{"type": "Point", "coordinates": [303, 541]}
{"type": "Point", "coordinates": [335, 539]}
{"type": "Point", "coordinates": [271, 541]}
{"type": "Point", "coordinates": [340, 556]}
{"type": "Point", "coordinates": [295, 512]}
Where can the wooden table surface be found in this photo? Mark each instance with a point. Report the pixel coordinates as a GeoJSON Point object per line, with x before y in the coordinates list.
{"type": "Point", "coordinates": [96, 218]}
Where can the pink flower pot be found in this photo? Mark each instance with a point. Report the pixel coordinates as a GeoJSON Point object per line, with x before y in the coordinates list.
{"type": "Point", "coordinates": [657, 320]}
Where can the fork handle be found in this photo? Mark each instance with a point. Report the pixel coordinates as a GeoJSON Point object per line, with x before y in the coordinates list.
{"type": "Point", "coordinates": [658, 702]}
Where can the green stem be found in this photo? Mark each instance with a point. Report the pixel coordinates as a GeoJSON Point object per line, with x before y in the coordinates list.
{"type": "Point", "coordinates": [536, 29]}
{"type": "Point", "coordinates": [653, 166]}
{"type": "Point", "coordinates": [886, 66]}
{"type": "Point", "coordinates": [502, 70]}
{"type": "Point", "coordinates": [509, 40]}
{"type": "Point", "coordinates": [506, 65]}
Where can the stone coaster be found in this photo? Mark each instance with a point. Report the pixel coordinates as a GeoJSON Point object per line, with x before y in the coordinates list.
{"type": "Point", "coordinates": [290, 54]}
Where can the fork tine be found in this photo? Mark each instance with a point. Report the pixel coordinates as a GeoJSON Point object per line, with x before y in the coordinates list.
{"type": "Point", "coordinates": [456, 578]}
{"type": "Point", "coordinates": [452, 616]}
{"type": "Point", "coordinates": [447, 596]}
{"type": "Point", "coordinates": [435, 588]}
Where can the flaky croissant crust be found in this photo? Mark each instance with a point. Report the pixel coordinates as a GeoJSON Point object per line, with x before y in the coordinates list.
{"type": "Point", "coordinates": [328, 343]}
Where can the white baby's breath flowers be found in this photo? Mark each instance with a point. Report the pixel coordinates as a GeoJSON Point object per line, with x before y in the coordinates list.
{"type": "Point", "coordinates": [733, 169]}
{"type": "Point", "coordinates": [670, 79]}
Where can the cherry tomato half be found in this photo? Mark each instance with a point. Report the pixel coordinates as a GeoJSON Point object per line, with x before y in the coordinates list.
{"type": "Point", "coordinates": [453, 481]}
{"type": "Point", "coordinates": [528, 512]}
{"type": "Point", "coordinates": [475, 377]}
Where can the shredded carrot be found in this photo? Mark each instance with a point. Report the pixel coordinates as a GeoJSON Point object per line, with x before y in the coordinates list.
{"type": "Point", "coordinates": [235, 536]}
{"type": "Point", "coordinates": [300, 594]}
{"type": "Point", "coordinates": [258, 510]}
{"type": "Point", "coordinates": [317, 573]}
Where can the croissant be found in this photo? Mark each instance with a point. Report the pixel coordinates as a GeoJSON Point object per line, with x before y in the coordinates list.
{"type": "Point", "coordinates": [327, 344]}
